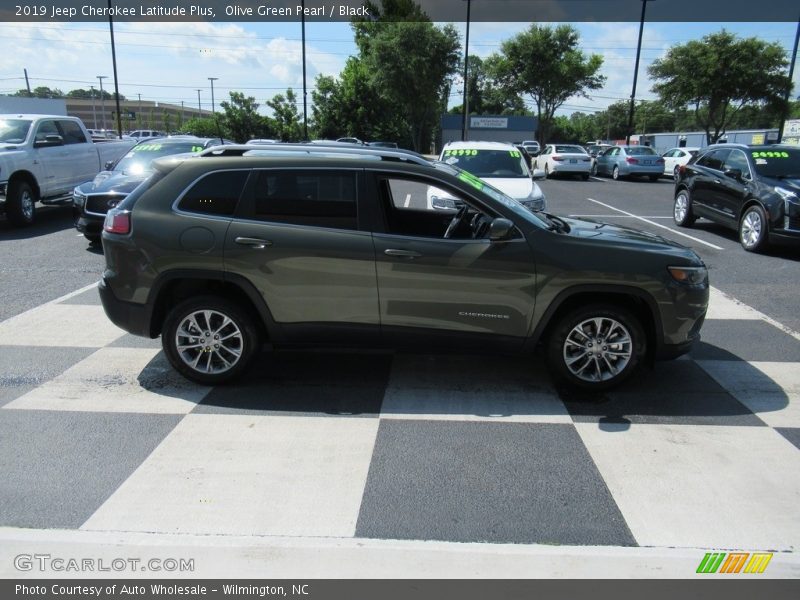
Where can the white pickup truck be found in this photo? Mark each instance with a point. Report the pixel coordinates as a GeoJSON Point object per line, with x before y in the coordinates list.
{"type": "Point", "coordinates": [43, 157]}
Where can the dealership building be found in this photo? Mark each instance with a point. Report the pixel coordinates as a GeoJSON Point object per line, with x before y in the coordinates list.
{"type": "Point", "coordinates": [489, 128]}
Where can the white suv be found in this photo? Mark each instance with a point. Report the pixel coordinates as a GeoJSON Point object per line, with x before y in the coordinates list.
{"type": "Point", "coordinates": [144, 134]}
{"type": "Point", "coordinates": [500, 165]}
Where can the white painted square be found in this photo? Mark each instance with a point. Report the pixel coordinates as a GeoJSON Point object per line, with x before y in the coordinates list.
{"type": "Point", "coordinates": [67, 325]}
{"type": "Point", "coordinates": [248, 475]}
{"type": "Point", "coordinates": [722, 306]}
{"type": "Point", "coordinates": [770, 389]}
{"type": "Point", "coordinates": [470, 388]}
{"type": "Point", "coordinates": [697, 486]}
{"type": "Point", "coordinates": [117, 380]}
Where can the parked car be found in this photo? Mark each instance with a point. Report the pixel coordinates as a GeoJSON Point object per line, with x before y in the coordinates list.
{"type": "Point", "coordinates": [144, 134]}
{"type": "Point", "coordinates": [351, 140]}
{"type": "Point", "coordinates": [625, 161]}
{"type": "Point", "coordinates": [42, 158]}
{"type": "Point", "coordinates": [675, 157]}
{"type": "Point", "coordinates": [564, 159]}
{"type": "Point", "coordinates": [752, 189]}
{"type": "Point", "coordinates": [219, 254]}
{"type": "Point", "coordinates": [499, 164]}
{"type": "Point", "coordinates": [595, 148]}
{"type": "Point", "coordinates": [532, 146]}
{"type": "Point", "coordinates": [93, 199]}
{"type": "Point", "coordinates": [525, 154]}
{"type": "Point", "coordinates": [260, 141]}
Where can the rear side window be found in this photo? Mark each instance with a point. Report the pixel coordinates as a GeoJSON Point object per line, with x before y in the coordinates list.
{"type": "Point", "coordinates": [713, 159]}
{"type": "Point", "coordinates": [215, 194]}
{"type": "Point", "coordinates": [311, 198]}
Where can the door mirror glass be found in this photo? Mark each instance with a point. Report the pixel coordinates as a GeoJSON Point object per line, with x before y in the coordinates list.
{"type": "Point", "coordinates": [734, 173]}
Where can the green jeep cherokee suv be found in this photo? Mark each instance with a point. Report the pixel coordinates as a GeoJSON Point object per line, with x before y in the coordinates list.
{"type": "Point", "coordinates": [221, 254]}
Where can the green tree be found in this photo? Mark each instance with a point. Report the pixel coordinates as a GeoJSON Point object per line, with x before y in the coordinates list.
{"type": "Point", "coordinates": [546, 64]}
{"type": "Point", "coordinates": [41, 92]}
{"type": "Point", "coordinates": [484, 96]}
{"type": "Point", "coordinates": [719, 75]}
{"type": "Point", "coordinates": [410, 64]}
{"type": "Point", "coordinates": [285, 116]}
{"type": "Point", "coordinates": [240, 118]}
{"type": "Point", "coordinates": [202, 127]}
{"type": "Point", "coordinates": [82, 94]}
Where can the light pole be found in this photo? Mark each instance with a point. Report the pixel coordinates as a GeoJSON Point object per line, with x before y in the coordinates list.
{"type": "Point", "coordinates": [199, 108]}
{"type": "Point", "coordinates": [114, 62]}
{"type": "Point", "coordinates": [636, 72]}
{"type": "Point", "coordinates": [94, 111]}
{"type": "Point", "coordinates": [305, 93]}
{"type": "Point", "coordinates": [212, 80]}
{"type": "Point", "coordinates": [102, 98]}
{"type": "Point", "coordinates": [465, 117]}
{"type": "Point", "coordinates": [789, 87]}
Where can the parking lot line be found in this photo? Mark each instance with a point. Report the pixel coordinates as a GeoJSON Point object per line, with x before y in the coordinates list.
{"type": "Point", "coordinates": [675, 231]}
{"type": "Point", "coordinates": [581, 216]}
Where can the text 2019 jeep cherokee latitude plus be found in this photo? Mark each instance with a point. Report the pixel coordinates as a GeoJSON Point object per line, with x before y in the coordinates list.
{"type": "Point", "coordinates": [219, 255]}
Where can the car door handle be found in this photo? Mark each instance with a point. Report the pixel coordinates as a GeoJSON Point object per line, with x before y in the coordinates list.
{"type": "Point", "coordinates": [401, 253]}
{"type": "Point", "coordinates": [256, 243]}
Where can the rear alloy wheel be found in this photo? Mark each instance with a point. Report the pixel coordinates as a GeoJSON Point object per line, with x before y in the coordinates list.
{"type": "Point", "coordinates": [594, 169]}
{"type": "Point", "coordinates": [597, 347]}
{"type": "Point", "coordinates": [20, 203]}
{"type": "Point", "coordinates": [615, 173]}
{"type": "Point", "coordinates": [753, 229]}
{"type": "Point", "coordinates": [209, 340]}
{"type": "Point", "coordinates": [682, 209]}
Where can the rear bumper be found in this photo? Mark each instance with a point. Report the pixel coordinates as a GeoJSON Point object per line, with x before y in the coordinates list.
{"type": "Point", "coordinates": [133, 318]}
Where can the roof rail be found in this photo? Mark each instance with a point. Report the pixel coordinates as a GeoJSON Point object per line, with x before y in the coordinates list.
{"type": "Point", "coordinates": [318, 150]}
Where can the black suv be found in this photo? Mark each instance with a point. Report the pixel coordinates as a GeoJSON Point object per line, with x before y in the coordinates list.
{"type": "Point", "coordinates": [752, 189]}
{"type": "Point", "coordinates": [220, 254]}
{"type": "Point", "coordinates": [92, 200]}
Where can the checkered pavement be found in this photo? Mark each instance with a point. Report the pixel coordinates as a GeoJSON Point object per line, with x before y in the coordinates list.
{"type": "Point", "coordinates": [98, 434]}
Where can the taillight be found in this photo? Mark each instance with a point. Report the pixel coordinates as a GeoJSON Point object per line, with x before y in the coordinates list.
{"type": "Point", "coordinates": [118, 221]}
{"type": "Point", "coordinates": [632, 161]}
{"type": "Point", "coordinates": [682, 169]}
{"type": "Point", "coordinates": [557, 157]}
{"type": "Point", "coordinates": [660, 161]}
{"type": "Point", "coordinates": [586, 159]}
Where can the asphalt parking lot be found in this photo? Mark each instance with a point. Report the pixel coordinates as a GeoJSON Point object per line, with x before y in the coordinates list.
{"type": "Point", "coordinates": [379, 464]}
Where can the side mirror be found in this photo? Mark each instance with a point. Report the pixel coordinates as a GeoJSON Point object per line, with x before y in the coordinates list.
{"type": "Point", "coordinates": [733, 173]}
{"type": "Point", "coordinates": [49, 140]}
{"type": "Point", "coordinates": [538, 174]}
{"type": "Point", "coordinates": [500, 229]}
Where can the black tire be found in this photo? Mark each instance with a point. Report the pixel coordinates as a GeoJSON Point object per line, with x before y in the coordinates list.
{"type": "Point", "coordinates": [615, 173]}
{"type": "Point", "coordinates": [94, 238]}
{"type": "Point", "coordinates": [654, 178]}
{"type": "Point", "coordinates": [593, 364]}
{"type": "Point", "coordinates": [546, 171]}
{"type": "Point", "coordinates": [21, 204]}
{"type": "Point", "coordinates": [241, 331]}
{"type": "Point", "coordinates": [682, 212]}
{"type": "Point", "coordinates": [753, 229]}
{"type": "Point", "coordinates": [594, 169]}
{"type": "Point", "coordinates": [585, 176]}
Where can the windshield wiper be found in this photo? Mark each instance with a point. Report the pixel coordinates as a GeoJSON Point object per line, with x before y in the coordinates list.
{"type": "Point", "coordinates": [559, 224]}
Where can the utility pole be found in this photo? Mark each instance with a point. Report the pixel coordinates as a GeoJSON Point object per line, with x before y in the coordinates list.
{"type": "Point", "coordinates": [102, 98]}
{"type": "Point", "coordinates": [199, 108]}
{"type": "Point", "coordinates": [636, 72]}
{"type": "Point", "coordinates": [212, 80]}
{"type": "Point", "coordinates": [94, 112]}
{"type": "Point", "coordinates": [182, 113]}
{"type": "Point", "coordinates": [27, 83]}
{"type": "Point", "coordinates": [305, 93]}
{"type": "Point", "coordinates": [465, 117]}
{"type": "Point", "coordinates": [114, 62]}
{"type": "Point", "coordinates": [789, 87]}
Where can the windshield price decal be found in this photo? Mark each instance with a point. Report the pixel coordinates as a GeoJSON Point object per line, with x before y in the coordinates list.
{"type": "Point", "coordinates": [770, 154]}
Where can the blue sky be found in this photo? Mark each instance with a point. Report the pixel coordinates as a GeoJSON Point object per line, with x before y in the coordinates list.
{"type": "Point", "coordinates": [169, 62]}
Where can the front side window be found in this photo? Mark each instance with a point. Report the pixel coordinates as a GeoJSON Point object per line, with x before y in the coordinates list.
{"type": "Point", "coordinates": [46, 128]}
{"type": "Point", "coordinates": [71, 132]}
{"type": "Point", "coordinates": [215, 194]}
{"type": "Point", "coordinates": [737, 160]}
{"type": "Point", "coordinates": [310, 198]}
{"type": "Point", "coordinates": [714, 159]}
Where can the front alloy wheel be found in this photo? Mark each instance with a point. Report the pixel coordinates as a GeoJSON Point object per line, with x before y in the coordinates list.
{"type": "Point", "coordinates": [209, 340]}
{"type": "Point", "coordinates": [596, 348]}
{"type": "Point", "coordinates": [753, 229]}
{"type": "Point", "coordinates": [682, 209]}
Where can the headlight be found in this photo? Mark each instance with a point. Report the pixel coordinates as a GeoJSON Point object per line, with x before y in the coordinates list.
{"type": "Point", "coordinates": [689, 275]}
{"type": "Point", "coordinates": [78, 199]}
{"type": "Point", "coordinates": [787, 194]}
{"type": "Point", "coordinates": [535, 201]}
{"type": "Point", "coordinates": [440, 203]}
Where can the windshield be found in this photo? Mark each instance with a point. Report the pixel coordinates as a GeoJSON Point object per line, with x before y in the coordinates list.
{"type": "Point", "coordinates": [493, 193]}
{"type": "Point", "coordinates": [14, 131]}
{"type": "Point", "coordinates": [137, 161]}
{"type": "Point", "coordinates": [639, 150]}
{"type": "Point", "coordinates": [777, 163]}
{"type": "Point", "coordinates": [488, 163]}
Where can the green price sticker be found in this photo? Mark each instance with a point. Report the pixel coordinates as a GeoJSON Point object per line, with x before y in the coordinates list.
{"type": "Point", "coordinates": [471, 179]}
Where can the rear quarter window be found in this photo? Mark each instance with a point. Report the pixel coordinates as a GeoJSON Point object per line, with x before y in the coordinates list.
{"type": "Point", "coordinates": [215, 194]}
